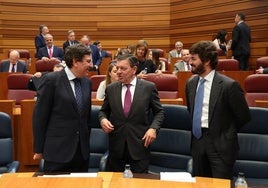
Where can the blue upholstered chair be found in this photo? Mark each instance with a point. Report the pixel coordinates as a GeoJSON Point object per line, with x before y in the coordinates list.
{"type": "Point", "coordinates": [253, 141]}
{"type": "Point", "coordinates": [98, 143]}
{"type": "Point", "coordinates": [7, 164]}
{"type": "Point", "coordinates": [171, 150]}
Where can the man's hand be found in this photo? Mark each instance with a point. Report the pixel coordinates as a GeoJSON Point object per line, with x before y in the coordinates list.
{"type": "Point", "coordinates": [38, 156]}
{"type": "Point", "coordinates": [149, 137]}
{"type": "Point", "coordinates": [107, 126]}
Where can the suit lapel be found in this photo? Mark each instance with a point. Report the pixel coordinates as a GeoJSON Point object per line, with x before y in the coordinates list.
{"type": "Point", "coordinates": [216, 90]}
{"type": "Point", "coordinates": [69, 90]}
{"type": "Point", "coordinates": [192, 89]}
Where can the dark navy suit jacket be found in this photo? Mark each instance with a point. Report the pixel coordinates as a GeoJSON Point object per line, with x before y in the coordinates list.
{"type": "Point", "coordinates": [40, 42]}
{"type": "Point", "coordinates": [57, 53]}
{"type": "Point", "coordinates": [96, 58]}
{"type": "Point", "coordinates": [21, 67]}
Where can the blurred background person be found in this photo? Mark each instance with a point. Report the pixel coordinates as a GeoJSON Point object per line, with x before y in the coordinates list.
{"type": "Point", "coordinates": [146, 65]}
{"type": "Point", "coordinates": [39, 39]}
{"type": "Point", "coordinates": [111, 76]}
{"type": "Point", "coordinates": [102, 52]}
{"type": "Point", "coordinates": [131, 49]}
{"type": "Point", "coordinates": [13, 64]}
{"type": "Point", "coordinates": [220, 40]}
{"type": "Point", "coordinates": [175, 52]}
{"type": "Point", "coordinates": [70, 40]}
{"type": "Point", "coordinates": [241, 38]}
{"type": "Point", "coordinates": [183, 65]}
{"type": "Point", "coordinates": [50, 52]}
{"type": "Point", "coordinates": [95, 56]}
{"type": "Point", "coordinates": [155, 57]}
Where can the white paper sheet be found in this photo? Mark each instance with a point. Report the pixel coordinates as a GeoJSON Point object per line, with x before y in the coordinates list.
{"type": "Point", "coordinates": [177, 176]}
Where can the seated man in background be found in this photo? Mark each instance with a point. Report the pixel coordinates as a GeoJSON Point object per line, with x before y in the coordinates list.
{"type": "Point", "coordinates": [183, 65]}
{"type": "Point", "coordinates": [175, 52]}
{"type": "Point", "coordinates": [50, 52]}
{"type": "Point", "coordinates": [103, 53]}
{"type": "Point", "coordinates": [34, 82]}
{"type": "Point", "coordinates": [13, 64]}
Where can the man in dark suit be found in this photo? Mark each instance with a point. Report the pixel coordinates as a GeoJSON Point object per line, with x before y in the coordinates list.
{"type": "Point", "coordinates": [96, 58]}
{"type": "Point", "coordinates": [103, 53]}
{"type": "Point", "coordinates": [240, 41]}
{"type": "Point", "coordinates": [223, 111]}
{"type": "Point", "coordinates": [13, 65]}
{"type": "Point", "coordinates": [39, 40]}
{"type": "Point", "coordinates": [62, 114]}
{"type": "Point", "coordinates": [70, 41]}
{"type": "Point", "coordinates": [50, 52]}
{"type": "Point", "coordinates": [130, 132]}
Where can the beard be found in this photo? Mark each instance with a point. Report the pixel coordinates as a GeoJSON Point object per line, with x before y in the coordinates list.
{"type": "Point", "coordinates": [198, 69]}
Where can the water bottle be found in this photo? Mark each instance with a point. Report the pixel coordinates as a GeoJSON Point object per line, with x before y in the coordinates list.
{"type": "Point", "coordinates": [127, 172]}
{"type": "Point", "coordinates": [240, 181]}
{"type": "Point", "coordinates": [144, 71]}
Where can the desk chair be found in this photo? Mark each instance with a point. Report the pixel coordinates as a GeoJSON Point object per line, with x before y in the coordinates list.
{"type": "Point", "coordinates": [171, 150]}
{"type": "Point", "coordinates": [7, 164]}
{"type": "Point", "coordinates": [253, 153]}
{"type": "Point", "coordinates": [262, 61]}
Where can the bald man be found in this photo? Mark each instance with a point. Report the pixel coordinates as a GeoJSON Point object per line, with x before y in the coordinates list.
{"type": "Point", "coordinates": [13, 64]}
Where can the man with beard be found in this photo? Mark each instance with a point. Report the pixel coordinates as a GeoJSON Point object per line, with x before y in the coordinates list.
{"type": "Point", "coordinates": [218, 110]}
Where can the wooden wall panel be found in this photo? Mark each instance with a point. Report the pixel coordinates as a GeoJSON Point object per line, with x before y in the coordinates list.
{"type": "Point", "coordinates": [113, 22]}
{"type": "Point", "coordinates": [117, 23]}
{"type": "Point", "coordinates": [195, 20]}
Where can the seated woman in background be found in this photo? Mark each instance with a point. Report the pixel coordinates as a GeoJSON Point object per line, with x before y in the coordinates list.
{"type": "Point", "coordinates": [160, 65]}
{"type": "Point", "coordinates": [111, 76]}
{"type": "Point", "coordinates": [220, 40]}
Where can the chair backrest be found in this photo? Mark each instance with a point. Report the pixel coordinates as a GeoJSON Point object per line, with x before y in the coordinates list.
{"type": "Point", "coordinates": [171, 150]}
{"type": "Point", "coordinates": [167, 85]}
{"type": "Point", "coordinates": [262, 61]}
{"type": "Point", "coordinates": [44, 66]}
{"type": "Point", "coordinates": [6, 143]}
{"type": "Point", "coordinates": [227, 65]}
{"type": "Point", "coordinates": [165, 61]}
{"type": "Point", "coordinates": [253, 141]}
{"type": "Point", "coordinates": [98, 141]}
{"type": "Point", "coordinates": [256, 88]}
{"type": "Point", "coordinates": [96, 80]}
{"type": "Point", "coordinates": [17, 87]}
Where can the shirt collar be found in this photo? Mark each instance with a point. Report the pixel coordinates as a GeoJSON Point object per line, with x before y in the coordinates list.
{"type": "Point", "coordinates": [210, 76]}
{"type": "Point", "coordinates": [69, 73]}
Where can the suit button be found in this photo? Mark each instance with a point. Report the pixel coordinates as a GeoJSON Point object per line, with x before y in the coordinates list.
{"type": "Point", "coordinates": [77, 132]}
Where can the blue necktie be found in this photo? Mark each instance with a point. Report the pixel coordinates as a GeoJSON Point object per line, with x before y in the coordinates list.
{"type": "Point", "coordinates": [78, 93]}
{"type": "Point", "coordinates": [127, 101]}
{"type": "Point", "coordinates": [197, 131]}
{"type": "Point", "coordinates": [13, 68]}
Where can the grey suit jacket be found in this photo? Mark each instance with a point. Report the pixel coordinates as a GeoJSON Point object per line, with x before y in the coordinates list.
{"type": "Point", "coordinates": [173, 53]}
{"type": "Point", "coordinates": [131, 130]}
{"type": "Point", "coordinates": [179, 66]}
{"type": "Point", "coordinates": [228, 112]}
{"type": "Point", "coordinates": [21, 67]}
{"type": "Point", "coordinates": [58, 126]}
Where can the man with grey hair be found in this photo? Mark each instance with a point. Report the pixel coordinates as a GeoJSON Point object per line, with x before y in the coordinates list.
{"type": "Point", "coordinates": [175, 52]}
{"type": "Point", "coordinates": [13, 64]}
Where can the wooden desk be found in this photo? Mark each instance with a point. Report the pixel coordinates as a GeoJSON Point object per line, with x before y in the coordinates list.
{"type": "Point", "coordinates": [261, 103]}
{"type": "Point", "coordinates": [22, 180]}
{"type": "Point", "coordinates": [115, 180]}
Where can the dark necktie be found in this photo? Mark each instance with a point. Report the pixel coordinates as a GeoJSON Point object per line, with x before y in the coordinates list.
{"type": "Point", "coordinates": [197, 131]}
{"type": "Point", "coordinates": [78, 93]}
{"type": "Point", "coordinates": [13, 68]}
{"type": "Point", "coordinates": [127, 102]}
{"type": "Point", "coordinates": [188, 66]}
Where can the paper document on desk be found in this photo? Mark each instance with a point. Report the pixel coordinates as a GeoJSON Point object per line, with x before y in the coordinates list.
{"type": "Point", "coordinates": [81, 175]}
{"type": "Point", "coordinates": [177, 176]}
